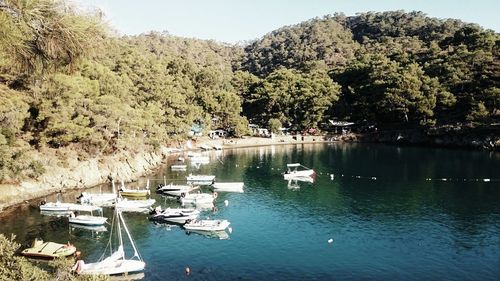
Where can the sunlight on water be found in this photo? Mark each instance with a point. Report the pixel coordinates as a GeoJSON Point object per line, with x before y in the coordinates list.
{"type": "Point", "coordinates": [385, 214]}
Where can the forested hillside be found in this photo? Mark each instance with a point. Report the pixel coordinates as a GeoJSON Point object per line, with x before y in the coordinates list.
{"type": "Point", "coordinates": [66, 82]}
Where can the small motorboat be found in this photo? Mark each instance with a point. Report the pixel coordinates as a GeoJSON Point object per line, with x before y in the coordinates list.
{"type": "Point", "coordinates": [228, 186]}
{"type": "Point", "coordinates": [178, 167]}
{"type": "Point", "coordinates": [128, 192]}
{"type": "Point", "coordinates": [89, 219]}
{"type": "Point", "coordinates": [141, 206]}
{"type": "Point", "coordinates": [174, 215]}
{"type": "Point", "coordinates": [97, 199]}
{"type": "Point", "coordinates": [197, 198]}
{"type": "Point", "coordinates": [40, 249]}
{"type": "Point", "coordinates": [200, 179]}
{"type": "Point", "coordinates": [297, 170]}
{"type": "Point", "coordinates": [200, 160]}
{"type": "Point", "coordinates": [206, 225]}
{"type": "Point", "coordinates": [175, 190]}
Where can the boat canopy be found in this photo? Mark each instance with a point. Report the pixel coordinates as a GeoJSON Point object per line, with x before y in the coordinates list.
{"type": "Point", "coordinates": [293, 165]}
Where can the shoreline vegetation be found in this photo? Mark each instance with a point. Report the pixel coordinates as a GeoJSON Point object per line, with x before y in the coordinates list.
{"type": "Point", "coordinates": [80, 105]}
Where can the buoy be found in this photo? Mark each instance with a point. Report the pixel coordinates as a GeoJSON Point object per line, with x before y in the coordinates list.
{"type": "Point", "coordinates": [187, 270]}
{"type": "Point", "coordinates": [230, 229]}
{"type": "Point", "coordinates": [226, 202]}
{"type": "Point", "coordinates": [330, 241]}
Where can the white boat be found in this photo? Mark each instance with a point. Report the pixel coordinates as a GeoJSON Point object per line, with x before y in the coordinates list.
{"type": "Point", "coordinates": [116, 263]}
{"type": "Point", "coordinates": [206, 225]}
{"type": "Point", "coordinates": [200, 179]}
{"type": "Point", "coordinates": [128, 192]}
{"type": "Point", "coordinates": [228, 186]}
{"type": "Point", "coordinates": [178, 167]}
{"type": "Point", "coordinates": [205, 147]}
{"type": "Point", "coordinates": [89, 219]}
{"type": "Point", "coordinates": [297, 170]}
{"type": "Point", "coordinates": [142, 206]}
{"type": "Point", "coordinates": [197, 198]}
{"type": "Point", "coordinates": [97, 199]}
{"type": "Point", "coordinates": [56, 206]}
{"type": "Point", "coordinates": [175, 190]}
{"type": "Point", "coordinates": [200, 160]}
{"type": "Point", "coordinates": [175, 215]}
{"type": "Point", "coordinates": [96, 228]}
{"type": "Point", "coordinates": [193, 154]}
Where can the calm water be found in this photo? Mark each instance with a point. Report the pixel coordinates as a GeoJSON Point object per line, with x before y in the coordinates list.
{"type": "Point", "coordinates": [386, 220]}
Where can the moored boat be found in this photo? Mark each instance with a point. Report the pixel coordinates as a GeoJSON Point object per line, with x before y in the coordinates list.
{"type": "Point", "coordinates": [297, 170]}
{"type": "Point", "coordinates": [200, 179]}
{"type": "Point", "coordinates": [175, 189]}
{"type": "Point", "coordinates": [174, 215]}
{"type": "Point", "coordinates": [41, 249]}
{"type": "Point", "coordinates": [128, 192]}
{"type": "Point", "coordinates": [197, 198]}
{"type": "Point", "coordinates": [89, 219]}
{"type": "Point", "coordinates": [228, 186]}
{"type": "Point", "coordinates": [116, 263]}
{"type": "Point", "coordinates": [206, 225]}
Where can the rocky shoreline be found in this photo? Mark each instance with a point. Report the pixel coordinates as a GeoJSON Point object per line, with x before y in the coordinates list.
{"type": "Point", "coordinates": [130, 166]}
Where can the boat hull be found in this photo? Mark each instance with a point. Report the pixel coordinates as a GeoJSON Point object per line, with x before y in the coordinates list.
{"type": "Point", "coordinates": [88, 220]}
{"type": "Point", "coordinates": [113, 268]}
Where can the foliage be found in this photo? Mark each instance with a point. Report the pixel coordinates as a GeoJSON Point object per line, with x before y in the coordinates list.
{"type": "Point", "coordinates": [66, 82]}
{"type": "Point", "coordinates": [275, 126]}
{"type": "Point", "coordinates": [14, 267]}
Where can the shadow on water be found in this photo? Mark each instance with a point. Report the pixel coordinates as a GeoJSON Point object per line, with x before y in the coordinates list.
{"type": "Point", "coordinates": [386, 210]}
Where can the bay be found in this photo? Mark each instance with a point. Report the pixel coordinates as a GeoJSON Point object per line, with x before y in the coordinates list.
{"type": "Point", "coordinates": [397, 213]}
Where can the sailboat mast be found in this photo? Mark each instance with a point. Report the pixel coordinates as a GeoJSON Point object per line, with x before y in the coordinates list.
{"type": "Point", "coordinates": [120, 238]}
{"type": "Point", "coordinates": [136, 253]}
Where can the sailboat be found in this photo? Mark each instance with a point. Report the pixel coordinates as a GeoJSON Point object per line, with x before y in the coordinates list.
{"type": "Point", "coordinates": [116, 263]}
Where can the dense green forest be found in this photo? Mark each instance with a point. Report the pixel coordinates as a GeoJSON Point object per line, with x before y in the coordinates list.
{"type": "Point", "coordinates": [67, 81]}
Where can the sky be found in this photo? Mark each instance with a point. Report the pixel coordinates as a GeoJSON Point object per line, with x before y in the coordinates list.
{"type": "Point", "coordinates": [234, 21]}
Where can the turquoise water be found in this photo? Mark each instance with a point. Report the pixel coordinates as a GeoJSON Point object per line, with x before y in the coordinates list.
{"type": "Point", "coordinates": [389, 212]}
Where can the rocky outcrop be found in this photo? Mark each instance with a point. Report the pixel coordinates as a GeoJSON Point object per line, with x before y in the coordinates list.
{"type": "Point", "coordinates": [124, 166]}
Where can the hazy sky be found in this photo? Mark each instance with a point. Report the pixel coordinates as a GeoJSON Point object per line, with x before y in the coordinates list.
{"type": "Point", "coordinates": [238, 20]}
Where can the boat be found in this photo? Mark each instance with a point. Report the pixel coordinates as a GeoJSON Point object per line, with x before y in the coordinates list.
{"type": "Point", "coordinates": [200, 160]}
{"type": "Point", "coordinates": [205, 147]}
{"type": "Point", "coordinates": [57, 214]}
{"type": "Point", "coordinates": [297, 170]}
{"type": "Point", "coordinates": [206, 225]}
{"type": "Point", "coordinates": [96, 228]}
{"type": "Point", "coordinates": [175, 190]}
{"type": "Point", "coordinates": [228, 186]}
{"type": "Point", "coordinates": [51, 250]}
{"type": "Point", "coordinates": [124, 191]}
{"type": "Point", "coordinates": [59, 208]}
{"type": "Point", "coordinates": [178, 167]}
{"type": "Point", "coordinates": [116, 263]}
{"type": "Point", "coordinates": [97, 199]}
{"type": "Point", "coordinates": [89, 219]}
{"type": "Point", "coordinates": [200, 179]}
{"type": "Point", "coordinates": [141, 206]}
{"type": "Point", "coordinates": [197, 198]}
{"type": "Point", "coordinates": [193, 154]}
{"type": "Point", "coordinates": [174, 215]}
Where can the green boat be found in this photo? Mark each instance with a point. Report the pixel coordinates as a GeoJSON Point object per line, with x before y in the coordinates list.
{"type": "Point", "coordinates": [50, 250]}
